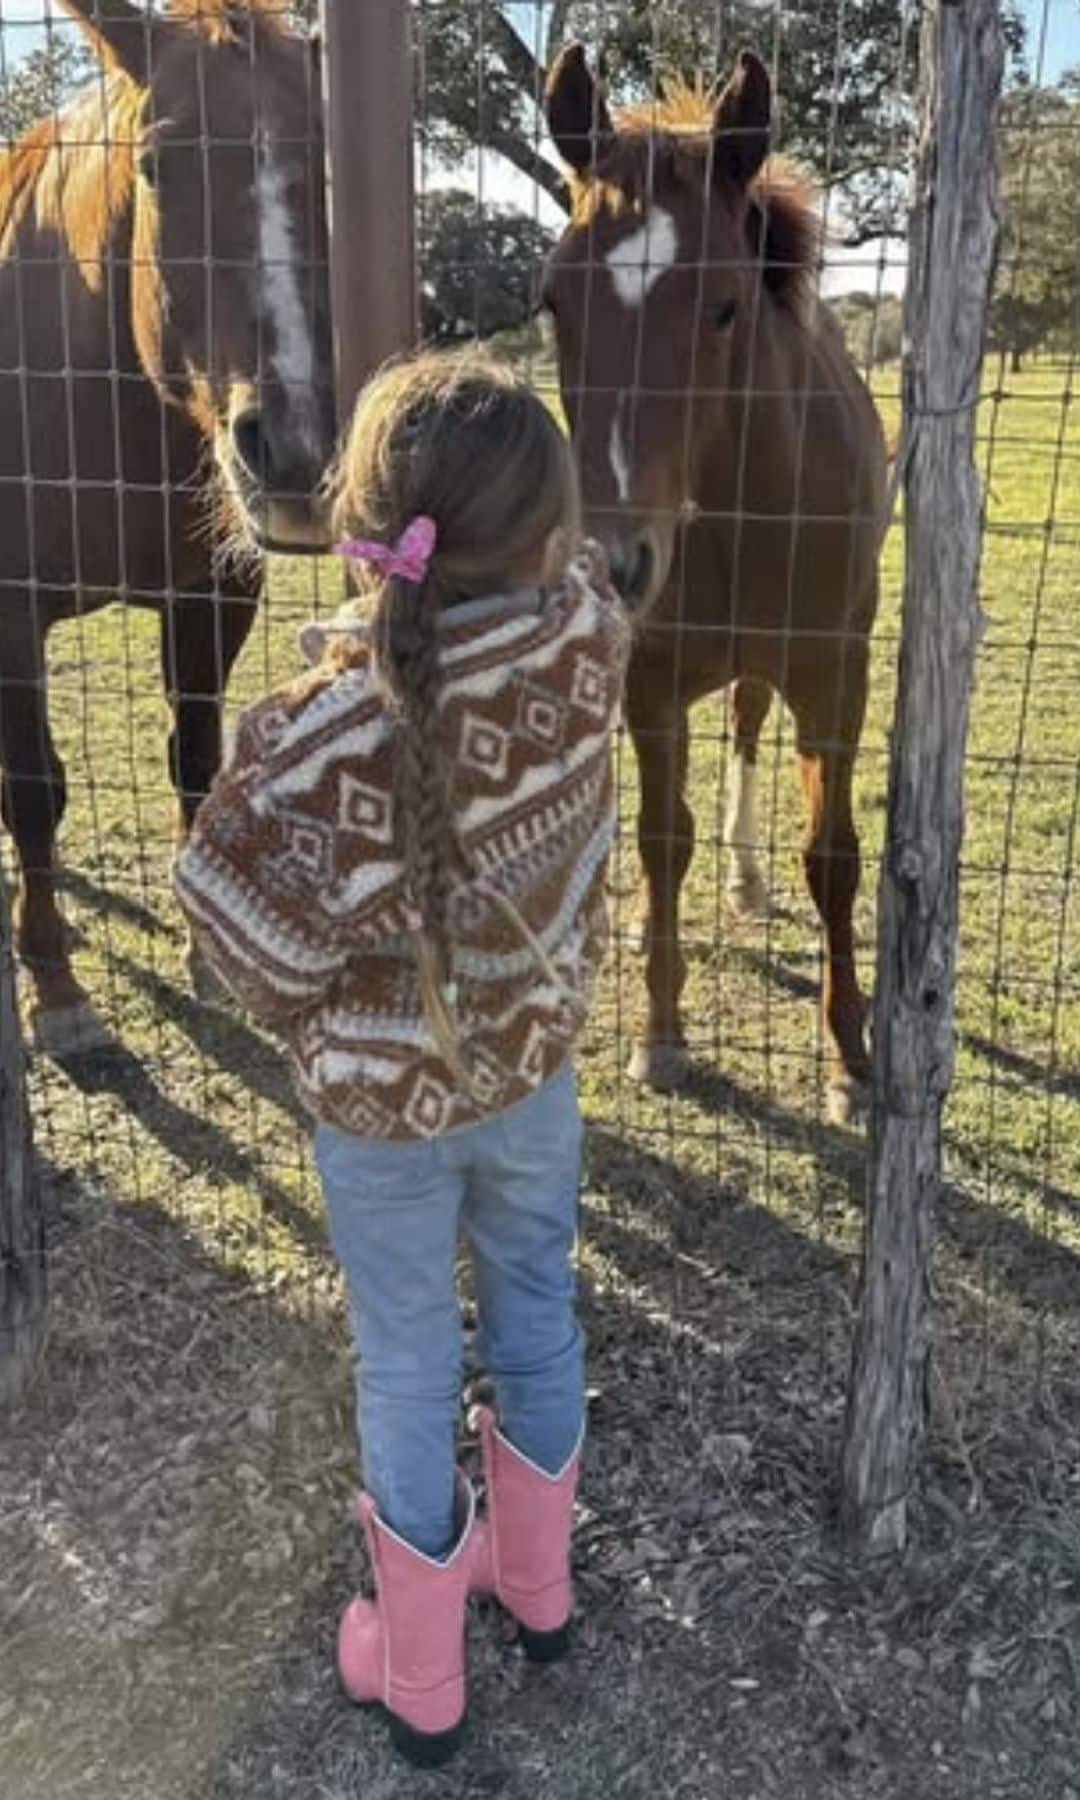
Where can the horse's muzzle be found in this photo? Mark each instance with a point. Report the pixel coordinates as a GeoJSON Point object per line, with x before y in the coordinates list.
{"type": "Point", "coordinates": [279, 483]}
{"type": "Point", "coordinates": [638, 567]}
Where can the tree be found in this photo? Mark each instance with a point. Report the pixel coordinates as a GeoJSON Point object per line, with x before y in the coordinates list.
{"type": "Point", "coordinates": [40, 82]}
{"type": "Point", "coordinates": [477, 266]}
{"type": "Point", "coordinates": [872, 325]}
{"type": "Point", "coordinates": [846, 77]}
{"type": "Point", "coordinates": [1037, 289]}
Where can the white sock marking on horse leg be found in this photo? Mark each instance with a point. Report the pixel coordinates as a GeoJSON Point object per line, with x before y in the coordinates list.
{"type": "Point", "coordinates": [741, 825]}
{"type": "Point", "coordinates": [637, 262]}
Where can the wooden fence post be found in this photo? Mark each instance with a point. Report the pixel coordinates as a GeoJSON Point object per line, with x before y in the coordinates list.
{"type": "Point", "coordinates": [367, 83]}
{"type": "Point", "coordinates": [951, 250]}
{"type": "Point", "coordinates": [22, 1228]}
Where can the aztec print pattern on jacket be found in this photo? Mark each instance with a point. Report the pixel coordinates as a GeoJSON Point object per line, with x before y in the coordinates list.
{"type": "Point", "coordinates": [296, 895]}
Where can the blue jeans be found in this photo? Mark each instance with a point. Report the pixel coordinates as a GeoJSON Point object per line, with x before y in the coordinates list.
{"type": "Point", "coordinates": [511, 1184]}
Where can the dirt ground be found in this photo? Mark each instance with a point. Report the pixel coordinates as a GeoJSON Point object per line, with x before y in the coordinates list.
{"type": "Point", "coordinates": [175, 1535]}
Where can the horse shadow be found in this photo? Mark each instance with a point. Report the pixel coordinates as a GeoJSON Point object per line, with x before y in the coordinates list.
{"type": "Point", "coordinates": [107, 901]}
{"type": "Point", "coordinates": [191, 1137]}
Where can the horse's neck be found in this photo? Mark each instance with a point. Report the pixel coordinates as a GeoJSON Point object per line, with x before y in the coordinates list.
{"type": "Point", "coordinates": [769, 366]}
{"type": "Point", "coordinates": [786, 434]}
{"type": "Point", "coordinates": [104, 314]}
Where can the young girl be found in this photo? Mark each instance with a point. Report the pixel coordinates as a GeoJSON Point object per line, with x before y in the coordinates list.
{"type": "Point", "coordinates": [402, 870]}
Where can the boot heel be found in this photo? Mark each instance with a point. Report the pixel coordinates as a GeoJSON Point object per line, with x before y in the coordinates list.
{"type": "Point", "coordinates": [424, 1749]}
{"type": "Point", "coordinates": [545, 1646]}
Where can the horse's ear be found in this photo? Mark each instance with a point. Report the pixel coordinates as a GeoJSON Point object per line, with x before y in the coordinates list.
{"type": "Point", "coordinates": [577, 113]}
{"type": "Point", "coordinates": [742, 119]}
{"type": "Point", "coordinates": [119, 32]}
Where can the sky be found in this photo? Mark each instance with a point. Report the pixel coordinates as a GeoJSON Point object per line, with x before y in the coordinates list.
{"type": "Point", "coordinates": [1060, 18]}
{"type": "Point", "coordinates": [1053, 30]}
{"type": "Point", "coordinates": [1053, 45]}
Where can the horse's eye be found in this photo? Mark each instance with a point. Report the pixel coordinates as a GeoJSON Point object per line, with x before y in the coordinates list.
{"type": "Point", "coordinates": [723, 314]}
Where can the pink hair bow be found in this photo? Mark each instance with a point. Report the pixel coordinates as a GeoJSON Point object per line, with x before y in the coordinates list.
{"type": "Point", "coordinates": [409, 557]}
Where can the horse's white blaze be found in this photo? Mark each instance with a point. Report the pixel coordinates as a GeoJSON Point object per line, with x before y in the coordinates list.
{"type": "Point", "coordinates": [294, 351]}
{"type": "Point", "coordinates": [741, 824]}
{"type": "Point", "coordinates": [620, 462]}
{"type": "Point", "coordinates": [638, 261]}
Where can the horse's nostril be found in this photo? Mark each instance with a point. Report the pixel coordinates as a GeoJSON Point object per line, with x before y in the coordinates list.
{"type": "Point", "coordinates": [632, 568]}
{"type": "Point", "coordinates": [252, 445]}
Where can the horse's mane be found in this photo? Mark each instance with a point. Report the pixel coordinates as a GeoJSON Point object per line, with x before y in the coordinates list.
{"type": "Point", "coordinates": [77, 168]}
{"type": "Point", "coordinates": [666, 142]}
{"type": "Point", "coordinates": [217, 19]}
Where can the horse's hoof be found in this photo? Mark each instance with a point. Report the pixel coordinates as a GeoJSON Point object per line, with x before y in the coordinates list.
{"type": "Point", "coordinates": [747, 896]}
{"type": "Point", "coordinates": [659, 1066]}
{"type": "Point", "coordinates": [847, 1102]}
{"type": "Point", "coordinates": [205, 985]}
{"type": "Point", "coordinates": [69, 1030]}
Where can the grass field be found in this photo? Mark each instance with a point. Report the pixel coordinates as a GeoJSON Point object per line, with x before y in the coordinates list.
{"type": "Point", "coordinates": [174, 1495]}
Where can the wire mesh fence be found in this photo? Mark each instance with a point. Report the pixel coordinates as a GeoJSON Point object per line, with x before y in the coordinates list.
{"type": "Point", "coordinates": [194, 1303]}
{"type": "Point", "coordinates": [752, 1114]}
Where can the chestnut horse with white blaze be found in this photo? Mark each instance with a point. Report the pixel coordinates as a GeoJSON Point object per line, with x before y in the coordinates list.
{"type": "Point", "coordinates": [733, 462]}
{"type": "Point", "coordinates": [165, 389]}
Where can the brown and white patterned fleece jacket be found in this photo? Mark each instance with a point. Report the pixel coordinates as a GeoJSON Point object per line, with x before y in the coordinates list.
{"type": "Point", "coordinates": [296, 894]}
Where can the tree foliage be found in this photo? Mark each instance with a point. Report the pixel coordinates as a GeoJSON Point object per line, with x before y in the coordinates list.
{"type": "Point", "coordinates": [39, 82]}
{"type": "Point", "coordinates": [873, 326]}
{"type": "Point", "coordinates": [1037, 290]}
{"type": "Point", "coordinates": [846, 72]}
{"type": "Point", "coordinates": [477, 266]}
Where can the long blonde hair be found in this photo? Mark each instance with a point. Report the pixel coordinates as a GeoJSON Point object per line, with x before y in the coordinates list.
{"type": "Point", "coordinates": [465, 441]}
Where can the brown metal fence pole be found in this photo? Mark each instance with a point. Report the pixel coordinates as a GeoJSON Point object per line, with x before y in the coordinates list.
{"type": "Point", "coordinates": [367, 82]}
{"type": "Point", "coordinates": [22, 1229]}
{"type": "Point", "coordinates": [952, 247]}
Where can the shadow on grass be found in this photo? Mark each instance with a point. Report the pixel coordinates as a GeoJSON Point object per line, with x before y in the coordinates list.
{"type": "Point", "coordinates": [1059, 1081]}
{"type": "Point", "coordinates": [195, 1141]}
{"type": "Point", "coordinates": [842, 1151]}
{"type": "Point", "coordinates": [222, 1036]}
{"type": "Point", "coordinates": [1042, 1273]}
{"type": "Point", "coordinates": [105, 900]}
{"type": "Point", "coordinates": [696, 1211]}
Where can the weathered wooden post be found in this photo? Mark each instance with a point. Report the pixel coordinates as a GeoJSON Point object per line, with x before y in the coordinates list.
{"type": "Point", "coordinates": [22, 1228]}
{"type": "Point", "coordinates": [367, 83]}
{"type": "Point", "coordinates": [952, 244]}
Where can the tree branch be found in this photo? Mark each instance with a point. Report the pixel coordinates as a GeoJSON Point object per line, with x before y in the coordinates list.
{"type": "Point", "coordinates": [556, 28]}
{"type": "Point", "coordinates": [521, 65]}
{"type": "Point", "coordinates": [868, 233]}
{"type": "Point", "coordinates": [524, 157]}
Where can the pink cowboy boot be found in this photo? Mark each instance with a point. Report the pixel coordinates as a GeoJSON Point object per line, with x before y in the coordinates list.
{"type": "Point", "coordinates": [406, 1648]}
{"type": "Point", "coordinates": [521, 1550]}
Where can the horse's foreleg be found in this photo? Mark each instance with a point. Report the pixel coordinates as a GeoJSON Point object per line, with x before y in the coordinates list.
{"type": "Point", "coordinates": [746, 890]}
{"type": "Point", "coordinates": [666, 842]}
{"type": "Point", "coordinates": [33, 795]}
{"type": "Point", "coordinates": [827, 749]}
{"type": "Point", "coordinates": [201, 637]}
